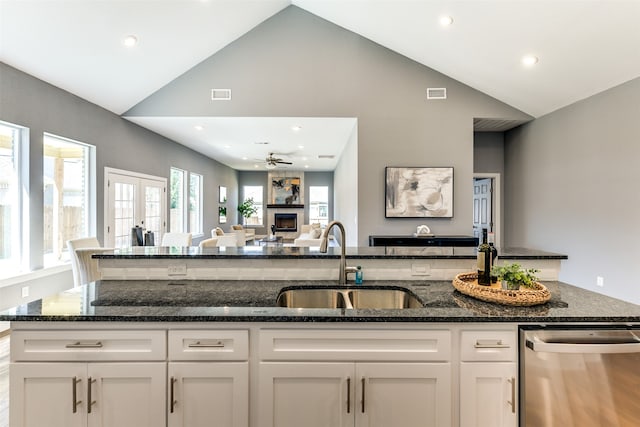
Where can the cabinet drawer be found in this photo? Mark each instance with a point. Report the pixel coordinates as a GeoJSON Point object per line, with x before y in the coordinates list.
{"type": "Point", "coordinates": [355, 345]}
{"type": "Point", "coordinates": [209, 345]}
{"type": "Point", "coordinates": [488, 346]}
{"type": "Point", "coordinates": [88, 345]}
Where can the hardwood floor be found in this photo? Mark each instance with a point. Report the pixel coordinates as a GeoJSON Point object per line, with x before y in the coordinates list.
{"type": "Point", "coordinates": [4, 381]}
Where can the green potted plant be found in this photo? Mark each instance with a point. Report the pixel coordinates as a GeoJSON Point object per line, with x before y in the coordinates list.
{"type": "Point", "coordinates": [247, 208]}
{"type": "Point", "coordinates": [514, 276]}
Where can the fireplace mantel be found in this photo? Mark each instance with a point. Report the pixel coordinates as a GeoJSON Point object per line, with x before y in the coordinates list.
{"type": "Point", "coordinates": [285, 206]}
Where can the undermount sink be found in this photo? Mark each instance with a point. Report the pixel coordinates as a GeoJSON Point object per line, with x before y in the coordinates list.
{"type": "Point", "coordinates": [348, 297]}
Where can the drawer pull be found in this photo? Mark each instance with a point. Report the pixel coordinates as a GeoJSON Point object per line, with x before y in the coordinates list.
{"type": "Point", "coordinates": [490, 344]}
{"type": "Point", "coordinates": [79, 344]}
{"type": "Point", "coordinates": [198, 344]}
{"type": "Point", "coordinates": [74, 393]}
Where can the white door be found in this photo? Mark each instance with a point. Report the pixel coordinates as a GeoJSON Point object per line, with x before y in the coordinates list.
{"type": "Point", "coordinates": [133, 199]}
{"type": "Point", "coordinates": [208, 394]}
{"type": "Point", "coordinates": [482, 206]}
{"type": "Point", "coordinates": [126, 394]}
{"type": "Point", "coordinates": [403, 394]}
{"type": "Point", "coordinates": [44, 395]}
{"type": "Point", "coordinates": [488, 394]}
{"type": "Point", "coordinates": [306, 394]}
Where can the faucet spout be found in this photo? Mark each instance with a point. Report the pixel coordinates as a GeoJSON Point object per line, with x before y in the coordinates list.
{"type": "Point", "coordinates": [344, 270]}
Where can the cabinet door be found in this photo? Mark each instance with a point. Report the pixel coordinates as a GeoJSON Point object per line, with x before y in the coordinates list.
{"type": "Point", "coordinates": [126, 394]}
{"type": "Point", "coordinates": [403, 394]}
{"type": "Point", "coordinates": [42, 394]}
{"type": "Point", "coordinates": [488, 395]}
{"type": "Point", "coordinates": [209, 394]}
{"type": "Point", "coordinates": [306, 394]}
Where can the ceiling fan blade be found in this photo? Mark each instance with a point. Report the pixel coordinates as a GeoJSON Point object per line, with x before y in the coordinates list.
{"type": "Point", "coordinates": [283, 162]}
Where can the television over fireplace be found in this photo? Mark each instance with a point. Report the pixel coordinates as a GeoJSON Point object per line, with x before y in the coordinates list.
{"type": "Point", "coordinates": [285, 222]}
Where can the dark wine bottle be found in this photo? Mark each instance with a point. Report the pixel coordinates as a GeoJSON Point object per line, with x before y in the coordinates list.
{"type": "Point", "coordinates": [484, 261]}
{"type": "Point", "coordinates": [494, 254]}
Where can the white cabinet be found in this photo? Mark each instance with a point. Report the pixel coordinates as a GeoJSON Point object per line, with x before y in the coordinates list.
{"type": "Point", "coordinates": [354, 378]}
{"type": "Point", "coordinates": [87, 394]}
{"type": "Point", "coordinates": [208, 379]}
{"type": "Point", "coordinates": [62, 378]}
{"type": "Point", "coordinates": [488, 375]}
{"type": "Point", "coordinates": [355, 394]}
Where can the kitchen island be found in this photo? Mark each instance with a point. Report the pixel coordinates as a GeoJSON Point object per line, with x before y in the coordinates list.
{"type": "Point", "coordinates": [180, 352]}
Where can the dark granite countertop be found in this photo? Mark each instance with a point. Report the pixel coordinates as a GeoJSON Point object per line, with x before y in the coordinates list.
{"type": "Point", "coordinates": [254, 301]}
{"type": "Point", "coordinates": [289, 252]}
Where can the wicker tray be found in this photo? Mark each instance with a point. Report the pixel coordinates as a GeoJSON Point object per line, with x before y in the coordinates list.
{"type": "Point", "coordinates": [467, 283]}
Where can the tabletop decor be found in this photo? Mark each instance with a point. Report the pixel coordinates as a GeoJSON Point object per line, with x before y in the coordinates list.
{"type": "Point", "coordinates": [467, 283]}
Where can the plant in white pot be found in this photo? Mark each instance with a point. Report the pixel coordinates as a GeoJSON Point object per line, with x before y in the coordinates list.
{"type": "Point", "coordinates": [514, 276]}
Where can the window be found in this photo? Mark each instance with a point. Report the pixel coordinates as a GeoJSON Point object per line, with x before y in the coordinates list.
{"type": "Point", "coordinates": [178, 217]}
{"type": "Point", "coordinates": [319, 205]}
{"type": "Point", "coordinates": [68, 176]}
{"type": "Point", "coordinates": [10, 199]}
{"type": "Point", "coordinates": [254, 192]}
{"type": "Point", "coordinates": [195, 203]}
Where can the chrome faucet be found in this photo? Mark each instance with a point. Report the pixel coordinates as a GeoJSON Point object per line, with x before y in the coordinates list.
{"type": "Point", "coordinates": [344, 270]}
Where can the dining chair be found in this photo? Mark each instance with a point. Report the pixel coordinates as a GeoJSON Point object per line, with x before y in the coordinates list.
{"type": "Point", "coordinates": [176, 239]}
{"type": "Point", "coordinates": [83, 267]}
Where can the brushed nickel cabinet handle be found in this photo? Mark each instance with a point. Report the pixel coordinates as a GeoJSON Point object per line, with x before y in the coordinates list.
{"type": "Point", "coordinates": [89, 401]}
{"type": "Point", "coordinates": [219, 344]}
{"type": "Point", "coordinates": [348, 395]}
{"type": "Point", "coordinates": [171, 394]}
{"type": "Point", "coordinates": [512, 380]}
{"type": "Point", "coordinates": [74, 393]}
{"type": "Point", "coordinates": [490, 344]}
{"type": "Point", "coordinates": [79, 344]}
{"type": "Point", "coordinates": [363, 385]}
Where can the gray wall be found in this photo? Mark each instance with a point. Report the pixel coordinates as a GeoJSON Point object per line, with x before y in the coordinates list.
{"type": "Point", "coordinates": [298, 65]}
{"type": "Point", "coordinates": [572, 187]}
{"type": "Point", "coordinates": [347, 196]}
{"type": "Point", "coordinates": [41, 107]}
{"type": "Point", "coordinates": [488, 152]}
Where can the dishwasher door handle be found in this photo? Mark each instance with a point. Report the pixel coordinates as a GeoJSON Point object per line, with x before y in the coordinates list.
{"type": "Point", "coordinates": [541, 346]}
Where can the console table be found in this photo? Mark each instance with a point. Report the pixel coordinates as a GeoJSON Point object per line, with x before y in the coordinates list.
{"type": "Point", "coordinates": [411, 240]}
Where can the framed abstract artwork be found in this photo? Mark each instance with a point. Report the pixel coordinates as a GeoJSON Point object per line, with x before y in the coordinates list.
{"type": "Point", "coordinates": [418, 192]}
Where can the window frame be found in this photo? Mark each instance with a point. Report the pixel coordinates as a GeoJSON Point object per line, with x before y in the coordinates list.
{"type": "Point", "coordinates": [318, 203]}
{"type": "Point", "coordinates": [183, 201]}
{"type": "Point", "coordinates": [259, 215]}
{"type": "Point", "coordinates": [196, 229]}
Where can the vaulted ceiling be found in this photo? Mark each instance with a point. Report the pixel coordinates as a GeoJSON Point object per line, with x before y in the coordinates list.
{"type": "Point", "coordinates": [583, 46]}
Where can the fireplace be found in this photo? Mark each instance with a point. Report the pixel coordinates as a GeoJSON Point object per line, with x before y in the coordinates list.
{"type": "Point", "coordinates": [285, 221]}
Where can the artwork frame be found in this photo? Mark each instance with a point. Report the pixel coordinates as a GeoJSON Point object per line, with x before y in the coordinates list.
{"type": "Point", "coordinates": [418, 192]}
{"type": "Point", "coordinates": [222, 214]}
{"type": "Point", "coordinates": [222, 191]}
{"type": "Point", "coordinates": [285, 190]}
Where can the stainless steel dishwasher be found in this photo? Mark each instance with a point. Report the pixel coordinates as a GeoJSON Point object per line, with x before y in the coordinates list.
{"type": "Point", "coordinates": [580, 377]}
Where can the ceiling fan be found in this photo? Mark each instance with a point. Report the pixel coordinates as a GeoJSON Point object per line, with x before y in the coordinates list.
{"type": "Point", "coordinates": [272, 162]}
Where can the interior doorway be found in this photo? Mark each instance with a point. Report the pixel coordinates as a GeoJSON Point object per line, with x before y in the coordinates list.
{"type": "Point", "coordinates": [487, 205]}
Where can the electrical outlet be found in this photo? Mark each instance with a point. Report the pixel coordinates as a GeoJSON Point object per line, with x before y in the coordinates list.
{"type": "Point", "coordinates": [177, 270]}
{"type": "Point", "coordinates": [25, 291]}
{"type": "Point", "coordinates": [421, 269]}
{"type": "Point", "coordinates": [600, 281]}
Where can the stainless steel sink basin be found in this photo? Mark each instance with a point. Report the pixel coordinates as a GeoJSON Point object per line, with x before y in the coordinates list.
{"type": "Point", "coordinates": [348, 297]}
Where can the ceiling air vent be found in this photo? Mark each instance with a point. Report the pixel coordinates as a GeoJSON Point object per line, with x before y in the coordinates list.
{"type": "Point", "coordinates": [326, 156]}
{"type": "Point", "coordinates": [437, 93]}
{"type": "Point", "coordinates": [221, 94]}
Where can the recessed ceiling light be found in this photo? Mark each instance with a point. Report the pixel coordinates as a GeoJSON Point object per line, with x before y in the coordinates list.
{"type": "Point", "coordinates": [301, 147]}
{"type": "Point", "coordinates": [245, 158]}
{"type": "Point", "coordinates": [227, 146]}
{"type": "Point", "coordinates": [256, 166]}
{"type": "Point", "coordinates": [304, 159]}
{"type": "Point", "coordinates": [296, 128]}
{"type": "Point", "coordinates": [130, 41]}
{"type": "Point", "coordinates": [306, 166]}
{"type": "Point", "coordinates": [446, 20]}
{"type": "Point", "coordinates": [529, 60]}
{"type": "Point", "coordinates": [198, 127]}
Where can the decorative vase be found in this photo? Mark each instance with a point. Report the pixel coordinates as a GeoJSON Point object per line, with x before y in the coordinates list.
{"type": "Point", "coordinates": [510, 286]}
